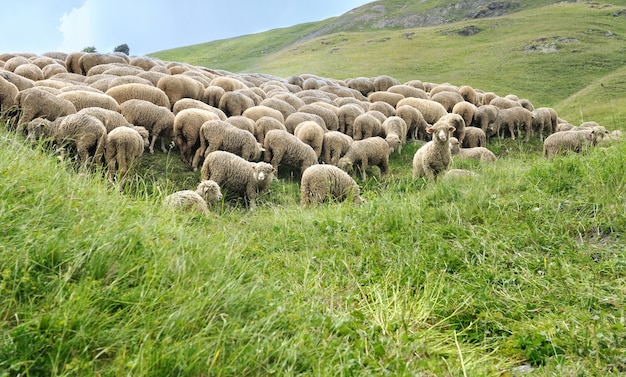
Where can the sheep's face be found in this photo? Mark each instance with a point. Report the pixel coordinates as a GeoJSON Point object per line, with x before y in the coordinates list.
{"type": "Point", "coordinates": [263, 172]}
{"type": "Point", "coordinates": [440, 132]}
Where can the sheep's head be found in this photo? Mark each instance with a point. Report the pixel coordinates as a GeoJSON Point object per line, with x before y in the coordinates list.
{"type": "Point", "coordinates": [454, 145]}
{"type": "Point", "coordinates": [440, 131]}
{"type": "Point", "coordinates": [345, 164]}
{"type": "Point", "coordinates": [394, 142]}
{"type": "Point", "coordinates": [263, 171]}
{"type": "Point", "coordinates": [210, 191]}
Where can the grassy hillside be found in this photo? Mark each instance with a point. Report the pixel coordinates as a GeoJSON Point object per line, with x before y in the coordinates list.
{"type": "Point", "coordinates": [517, 271]}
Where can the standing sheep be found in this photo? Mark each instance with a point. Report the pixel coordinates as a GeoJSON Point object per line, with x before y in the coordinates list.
{"type": "Point", "coordinates": [320, 183]}
{"type": "Point", "coordinates": [366, 125]}
{"type": "Point", "coordinates": [263, 125]}
{"type": "Point", "coordinates": [430, 110]}
{"type": "Point", "coordinates": [124, 146]}
{"type": "Point", "coordinates": [447, 99]}
{"type": "Point", "coordinates": [484, 118]}
{"type": "Point", "coordinates": [158, 120]}
{"type": "Point", "coordinates": [312, 134]}
{"type": "Point", "coordinates": [125, 92]}
{"type": "Point", "coordinates": [477, 153]}
{"type": "Point", "coordinates": [334, 146]}
{"type": "Point", "coordinates": [85, 98]}
{"type": "Point", "coordinates": [474, 137]}
{"type": "Point", "coordinates": [346, 116]}
{"type": "Point", "coordinates": [433, 158]}
{"type": "Point", "coordinates": [234, 103]}
{"type": "Point", "coordinates": [573, 141]}
{"type": "Point", "coordinates": [331, 120]}
{"type": "Point", "coordinates": [177, 87]}
{"type": "Point", "coordinates": [363, 153]}
{"type": "Point", "coordinates": [39, 103]}
{"type": "Point", "coordinates": [234, 174]}
{"type": "Point", "coordinates": [395, 130]}
{"type": "Point", "coordinates": [415, 123]}
{"type": "Point", "coordinates": [514, 119]}
{"type": "Point", "coordinates": [111, 119]}
{"type": "Point", "coordinates": [283, 148]}
{"type": "Point", "coordinates": [298, 117]}
{"type": "Point", "coordinates": [456, 121]}
{"type": "Point", "coordinates": [186, 132]}
{"type": "Point", "coordinates": [208, 191]}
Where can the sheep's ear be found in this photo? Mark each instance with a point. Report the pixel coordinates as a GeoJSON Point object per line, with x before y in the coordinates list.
{"type": "Point", "coordinates": [429, 129]}
{"type": "Point", "coordinates": [451, 129]}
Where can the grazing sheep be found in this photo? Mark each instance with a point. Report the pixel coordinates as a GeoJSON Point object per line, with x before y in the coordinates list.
{"type": "Point", "coordinates": [158, 120]}
{"type": "Point", "coordinates": [229, 84]}
{"type": "Point", "coordinates": [320, 183]}
{"type": "Point", "coordinates": [484, 118]}
{"type": "Point", "coordinates": [334, 146]}
{"type": "Point", "coordinates": [124, 146]}
{"type": "Point", "coordinates": [283, 148]}
{"type": "Point", "coordinates": [331, 120]}
{"type": "Point", "coordinates": [85, 98]}
{"type": "Point", "coordinates": [363, 84]}
{"type": "Point", "coordinates": [177, 87]}
{"type": "Point", "coordinates": [564, 141]}
{"type": "Point", "coordinates": [431, 110]}
{"type": "Point", "coordinates": [447, 99]}
{"type": "Point", "coordinates": [283, 106]}
{"type": "Point", "coordinates": [466, 110]}
{"type": "Point", "coordinates": [235, 103]}
{"type": "Point", "coordinates": [237, 175]}
{"type": "Point", "coordinates": [382, 107]}
{"type": "Point", "coordinates": [243, 123]}
{"type": "Point", "coordinates": [39, 103]}
{"type": "Point", "coordinates": [186, 133]}
{"type": "Point", "coordinates": [346, 116]}
{"type": "Point", "coordinates": [384, 82]}
{"type": "Point", "coordinates": [433, 158]}
{"type": "Point", "coordinates": [366, 125]}
{"type": "Point", "coordinates": [387, 97]}
{"type": "Point", "coordinates": [52, 70]}
{"type": "Point", "coordinates": [212, 95]}
{"type": "Point", "coordinates": [90, 60]}
{"type": "Point", "coordinates": [474, 137]}
{"type": "Point", "coordinates": [542, 122]}
{"type": "Point", "coordinates": [256, 112]}
{"type": "Point", "coordinates": [220, 135]}
{"type": "Point", "coordinates": [395, 130]}
{"type": "Point", "coordinates": [8, 92]}
{"type": "Point", "coordinates": [125, 92]}
{"type": "Point", "coordinates": [476, 153]}
{"type": "Point", "coordinates": [504, 103]}
{"type": "Point", "coordinates": [111, 119]}
{"type": "Point", "coordinates": [208, 191]}
{"type": "Point", "coordinates": [312, 134]}
{"type": "Point", "coordinates": [19, 81]}
{"type": "Point", "coordinates": [469, 95]}
{"type": "Point", "coordinates": [408, 91]}
{"type": "Point", "coordinates": [263, 125]}
{"type": "Point", "coordinates": [514, 119]}
{"type": "Point", "coordinates": [30, 71]}
{"type": "Point", "coordinates": [459, 173]}
{"type": "Point", "coordinates": [415, 123]}
{"type": "Point", "coordinates": [190, 103]}
{"type": "Point", "coordinates": [373, 151]}
{"type": "Point", "coordinates": [298, 117]}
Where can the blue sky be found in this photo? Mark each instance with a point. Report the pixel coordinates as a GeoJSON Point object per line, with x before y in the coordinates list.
{"type": "Point", "coordinates": [146, 26]}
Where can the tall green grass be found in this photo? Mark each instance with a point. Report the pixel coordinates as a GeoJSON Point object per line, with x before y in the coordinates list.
{"type": "Point", "coordinates": [522, 265]}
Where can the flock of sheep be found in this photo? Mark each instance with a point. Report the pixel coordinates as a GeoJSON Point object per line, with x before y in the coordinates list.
{"type": "Point", "coordinates": [239, 129]}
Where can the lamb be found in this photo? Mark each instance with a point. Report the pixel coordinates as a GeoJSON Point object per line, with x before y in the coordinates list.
{"type": "Point", "coordinates": [124, 146]}
{"type": "Point", "coordinates": [476, 153]}
{"type": "Point", "coordinates": [327, 182]}
{"type": "Point", "coordinates": [186, 132]}
{"type": "Point", "coordinates": [39, 103]}
{"type": "Point", "coordinates": [363, 153]}
{"type": "Point", "coordinates": [334, 146]}
{"type": "Point", "coordinates": [221, 135]}
{"type": "Point", "coordinates": [158, 120]}
{"type": "Point", "coordinates": [283, 148]}
{"type": "Point", "coordinates": [208, 191]}
{"type": "Point", "coordinates": [84, 98]}
{"type": "Point", "coordinates": [564, 141]}
{"type": "Point", "coordinates": [474, 137]}
{"type": "Point", "coordinates": [395, 130]}
{"type": "Point", "coordinates": [125, 92]}
{"type": "Point", "coordinates": [312, 134]}
{"type": "Point", "coordinates": [237, 175]}
{"type": "Point", "coordinates": [177, 87]}
{"type": "Point", "coordinates": [433, 158]}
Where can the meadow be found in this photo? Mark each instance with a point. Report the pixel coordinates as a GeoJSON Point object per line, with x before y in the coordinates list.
{"type": "Point", "coordinates": [517, 271]}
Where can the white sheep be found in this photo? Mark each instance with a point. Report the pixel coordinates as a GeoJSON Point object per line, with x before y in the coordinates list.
{"type": "Point", "coordinates": [283, 148]}
{"type": "Point", "coordinates": [311, 133]}
{"type": "Point", "coordinates": [573, 141]}
{"type": "Point", "coordinates": [395, 130]}
{"type": "Point", "coordinates": [373, 151]}
{"type": "Point", "coordinates": [158, 120]}
{"type": "Point", "coordinates": [433, 158]}
{"type": "Point", "coordinates": [125, 92]}
{"type": "Point", "coordinates": [334, 146]}
{"type": "Point", "coordinates": [322, 182]}
{"type": "Point", "coordinates": [208, 191]}
{"type": "Point", "coordinates": [234, 174]}
{"type": "Point", "coordinates": [39, 103]}
{"type": "Point", "coordinates": [476, 153]}
{"type": "Point", "coordinates": [124, 146]}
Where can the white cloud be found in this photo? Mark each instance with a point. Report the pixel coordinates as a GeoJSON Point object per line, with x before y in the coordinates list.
{"type": "Point", "coordinates": [79, 27]}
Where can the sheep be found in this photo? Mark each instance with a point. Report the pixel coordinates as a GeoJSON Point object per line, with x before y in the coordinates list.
{"type": "Point", "coordinates": [256, 112]}
{"type": "Point", "coordinates": [469, 94]}
{"type": "Point", "coordinates": [237, 175]}
{"type": "Point", "coordinates": [514, 119]}
{"type": "Point", "coordinates": [283, 148]}
{"type": "Point", "coordinates": [124, 146]}
{"type": "Point", "coordinates": [504, 103]}
{"type": "Point", "coordinates": [384, 82]}
{"type": "Point", "coordinates": [395, 130]}
{"type": "Point", "coordinates": [125, 92]}
{"type": "Point", "coordinates": [30, 71]}
{"type": "Point", "coordinates": [484, 118]}
{"type": "Point", "coordinates": [39, 103]}
{"type": "Point", "coordinates": [363, 153]}
{"type": "Point", "coordinates": [186, 133]}
{"type": "Point", "coordinates": [82, 132]}
{"type": "Point", "coordinates": [334, 146]}
{"type": "Point", "coordinates": [382, 107]}
{"type": "Point", "coordinates": [212, 95]}
{"type": "Point", "coordinates": [296, 118]}
{"type": "Point", "coordinates": [431, 110]}
{"type": "Point", "coordinates": [331, 120]}
{"type": "Point", "coordinates": [243, 123]}
{"type": "Point", "coordinates": [71, 62]}
{"type": "Point", "coordinates": [158, 120]}
{"type": "Point", "coordinates": [476, 153]}
{"type": "Point", "coordinates": [208, 191]}
{"type": "Point", "coordinates": [327, 182]}
{"type": "Point", "coordinates": [415, 123]}
{"type": "Point", "coordinates": [144, 62]}
{"type": "Point", "coordinates": [456, 121]}
{"type": "Point", "coordinates": [52, 70]}
{"type": "Point", "coordinates": [8, 92]}
{"type": "Point", "coordinates": [542, 122]}
{"type": "Point", "coordinates": [19, 81]}
{"type": "Point", "coordinates": [90, 60]}
{"type": "Point", "coordinates": [152, 76]}
{"type": "Point", "coordinates": [109, 118]}
{"type": "Point", "coordinates": [229, 84]}
{"type": "Point", "coordinates": [564, 141]}
{"type": "Point", "coordinates": [366, 125]}
{"type": "Point", "coordinates": [433, 158]}
{"type": "Point", "coordinates": [312, 134]}
{"type": "Point", "coordinates": [363, 84]}
{"type": "Point", "coordinates": [177, 87]}
{"type": "Point", "coordinates": [220, 135]}
{"type": "Point", "coordinates": [84, 98]}
{"type": "Point", "coordinates": [235, 103]}
{"type": "Point", "coordinates": [408, 91]}
{"type": "Point", "coordinates": [459, 173]}
{"type": "Point", "coordinates": [190, 103]}
{"type": "Point", "coordinates": [466, 110]}
{"type": "Point", "coordinates": [346, 116]}
{"type": "Point", "coordinates": [263, 125]}
{"type": "Point", "coordinates": [447, 99]}
{"type": "Point", "coordinates": [284, 107]}
{"type": "Point", "coordinates": [474, 137]}
{"type": "Point", "coordinates": [387, 97]}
